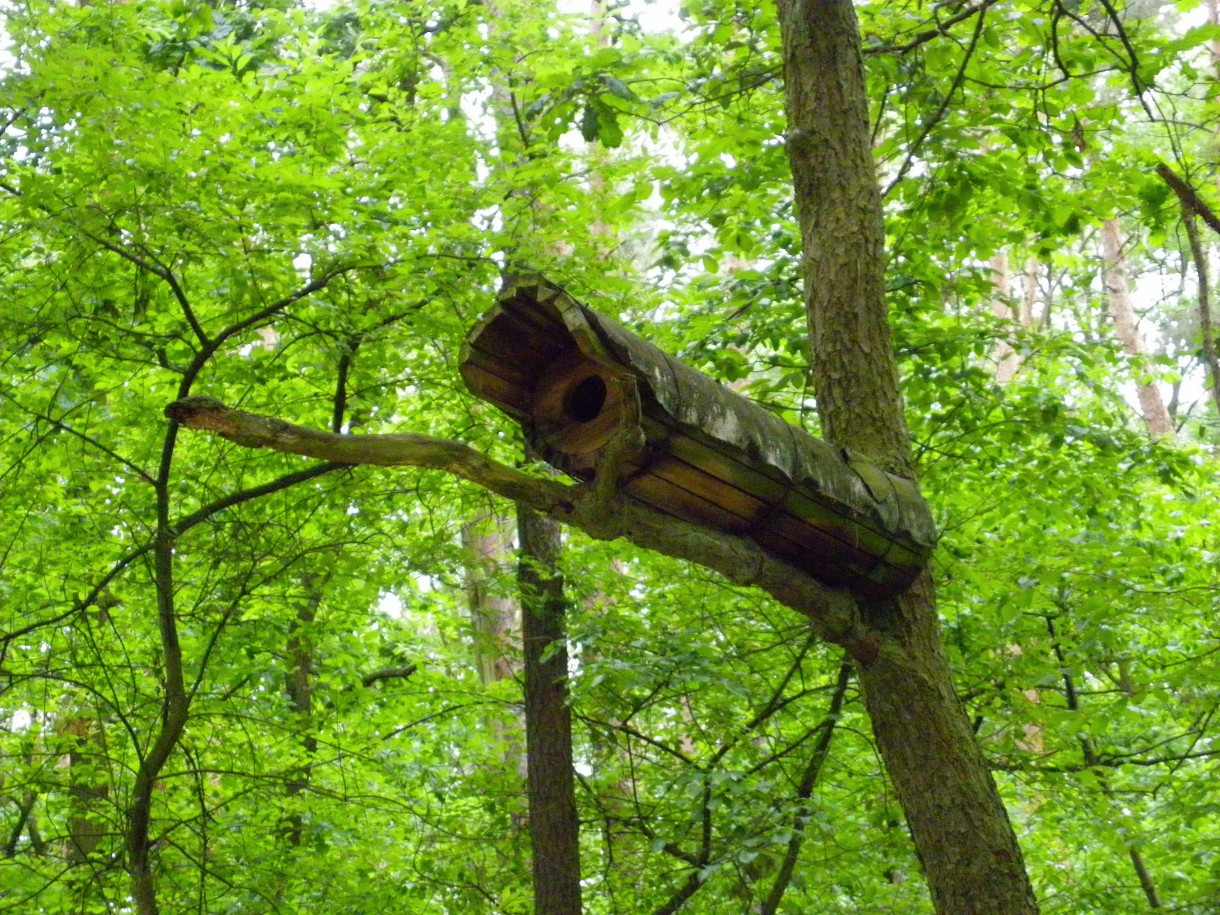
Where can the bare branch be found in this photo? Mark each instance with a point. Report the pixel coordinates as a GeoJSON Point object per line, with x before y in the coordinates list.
{"type": "Point", "coordinates": [942, 110]}
{"type": "Point", "coordinates": [942, 28]}
{"type": "Point", "coordinates": [1188, 196]}
{"type": "Point", "coordinates": [833, 612]}
{"type": "Point", "coordinates": [254, 431]}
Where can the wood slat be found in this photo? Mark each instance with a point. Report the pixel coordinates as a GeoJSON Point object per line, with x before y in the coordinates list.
{"type": "Point", "coordinates": [494, 387]}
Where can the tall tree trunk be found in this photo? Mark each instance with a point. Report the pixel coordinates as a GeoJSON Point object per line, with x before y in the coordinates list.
{"type": "Point", "coordinates": [960, 828]}
{"type": "Point", "coordinates": [1118, 290]}
{"type": "Point", "coordinates": [298, 684]}
{"type": "Point", "coordinates": [494, 615]}
{"type": "Point", "coordinates": [1207, 334]}
{"type": "Point", "coordinates": [553, 823]}
{"type": "Point", "coordinates": [554, 826]}
{"type": "Point", "coordinates": [1005, 356]}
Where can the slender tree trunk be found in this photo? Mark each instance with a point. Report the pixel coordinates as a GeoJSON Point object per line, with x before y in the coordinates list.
{"type": "Point", "coordinates": [1005, 356]}
{"type": "Point", "coordinates": [175, 703]}
{"type": "Point", "coordinates": [298, 684]}
{"type": "Point", "coordinates": [960, 828]}
{"type": "Point", "coordinates": [1198, 253]}
{"type": "Point", "coordinates": [1118, 290]}
{"type": "Point", "coordinates": [553, 823]}
{"type": "Point", "coordinates": [554, 827]}
{"type": "Point", "coordinates": [494, 615]}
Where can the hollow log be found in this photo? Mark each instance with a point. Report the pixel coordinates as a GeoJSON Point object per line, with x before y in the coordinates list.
{"type": "Point", "coordinates": [710, 456]}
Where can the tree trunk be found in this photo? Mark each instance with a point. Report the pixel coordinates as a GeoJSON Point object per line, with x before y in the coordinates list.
{"type": "Point", "coordinates": [494, 615]}
{"type": "Point", "coordinates": [554, 827]}
{"type": "Point", "coordinates": [1198, 252]}
{"type": "Point", "coordinates": [959, 825]}
{"type": "Point", "coordinates": [1118, 290]}
{"type": "Point", "coordinates": [1005, 356]}
{"type": "Point", "coordinates": [298, 684]}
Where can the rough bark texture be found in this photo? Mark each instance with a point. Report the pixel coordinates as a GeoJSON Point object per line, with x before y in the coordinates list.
{"type": "Point", "coordinates": [842, 232]}
{"type": "Point", "coordinates": [1118, 290]}
{"type": "Point", "coordinates": [554, 827]}
{"type": "Point", "coordinates": [961, 830]}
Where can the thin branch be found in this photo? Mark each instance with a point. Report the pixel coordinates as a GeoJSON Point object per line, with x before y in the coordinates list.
{"type": "Point", "coordinates": [388, 673]}
{"type": "Point", "coordinates": [64, 427]}
{"type": "Point", "coordinates": [179, 527]}
{"type": "Point", "coordinates": [940, 112]}
{"type": "Point", "coordinates": [694, 880]}
{"type": "Point", "coordinates": [804, 791]}
{"type": "Point", "coordinates": [341, 373]}
{"type": "Point", "coordinates": [161, 272]}
{"type": "Point", "coordinates": [185, 523]}
{"type": "Point", "coordinates": [942, 28]}
{"type": "Point", "coordinates": [1136, 80]}
{"type": "Point", "coordinates": [1206, 330]}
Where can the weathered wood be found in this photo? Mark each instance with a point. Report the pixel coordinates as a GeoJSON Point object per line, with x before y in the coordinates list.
{"type": "Point", "coordinates": [711, 456]}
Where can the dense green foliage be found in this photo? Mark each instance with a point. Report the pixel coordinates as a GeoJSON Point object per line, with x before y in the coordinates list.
{"type": "Point", "coordinates": [301, 212]}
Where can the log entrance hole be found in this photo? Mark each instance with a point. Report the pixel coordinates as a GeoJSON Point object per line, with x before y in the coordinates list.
{"type": "Point", "coordinates": [583, 401]}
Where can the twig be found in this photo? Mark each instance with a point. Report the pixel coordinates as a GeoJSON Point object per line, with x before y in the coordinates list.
{"type": "Point", "coordinates": [940, 112]}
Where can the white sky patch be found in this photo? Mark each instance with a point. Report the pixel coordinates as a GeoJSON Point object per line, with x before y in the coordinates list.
{"type": "Point", "coordinates": [390, 604]}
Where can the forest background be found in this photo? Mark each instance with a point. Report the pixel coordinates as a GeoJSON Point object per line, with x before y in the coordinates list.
{"type": "Point", "coordinates": [311, 700]}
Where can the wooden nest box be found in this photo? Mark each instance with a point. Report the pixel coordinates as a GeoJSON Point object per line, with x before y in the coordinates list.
{"type": "Point", "coordinates": [710, 456]}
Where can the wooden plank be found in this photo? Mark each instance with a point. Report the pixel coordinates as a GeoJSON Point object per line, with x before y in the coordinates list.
{"type": "Point", "coordinates": [728, 468]}
{"type": "Point", "coordinates": [739, 517]}
{"type": "Point", "coordinates": [741, 505]}
{"type": "Point", "coordinates": [544, 319]}
{"type": "Point", "coordinates": [495, 388]}
{"type": "Point", "coordinates": [509, 374]}
{"type": "Point", "coordinates": [823, 543]}
{"type": "Point", "coordinates": [673, 500]}
{"type": "Point", "coordinates": [511, 338]}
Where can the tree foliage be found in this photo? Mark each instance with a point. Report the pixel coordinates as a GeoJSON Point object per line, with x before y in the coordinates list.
{"type": "Point", "coordinates": [302, 211]}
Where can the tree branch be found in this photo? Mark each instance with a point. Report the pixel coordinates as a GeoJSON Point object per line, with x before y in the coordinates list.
{"type": "Point", "coordinates": [161, 272]}
{"type": "Point", "coordinates": [942, 28]}
{"type": "Point", "coordinates": [833, 612]}
{"type": "Point", "coordinates": [804, 791]}
{"type": "Point", "coordinates": [944, 106]}
{"type": "Point", "coordinates": [388, 673]}
{"type": "Point", "coordinates": [1188, 196]}
{"type": "Point", "coordinates": [410, 450]}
